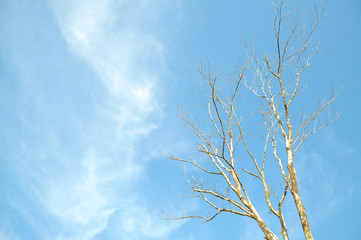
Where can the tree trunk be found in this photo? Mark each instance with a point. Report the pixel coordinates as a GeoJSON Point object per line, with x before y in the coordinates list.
{"type": "Point", "coordinates": [269, 235]}
{"type": "Point", "coordinates": [299, 205]}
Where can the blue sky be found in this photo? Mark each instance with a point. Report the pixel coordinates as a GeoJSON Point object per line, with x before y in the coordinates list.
{"type": "Point", "coordinates": [89, 92]}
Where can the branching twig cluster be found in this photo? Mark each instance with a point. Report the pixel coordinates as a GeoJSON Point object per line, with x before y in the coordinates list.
{"type": "Point", "coordinates": [277, 80]}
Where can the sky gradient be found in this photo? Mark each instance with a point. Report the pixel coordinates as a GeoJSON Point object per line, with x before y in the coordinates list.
{"type": "Point", "coordinates": [89, 94]}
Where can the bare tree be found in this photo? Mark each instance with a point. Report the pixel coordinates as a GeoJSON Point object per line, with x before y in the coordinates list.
{"type": "Point", "coordinates": [276, 80]}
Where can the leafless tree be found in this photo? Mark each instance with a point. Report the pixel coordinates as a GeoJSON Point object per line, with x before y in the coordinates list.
{"type": "Point", "coordinates": [276, 81]}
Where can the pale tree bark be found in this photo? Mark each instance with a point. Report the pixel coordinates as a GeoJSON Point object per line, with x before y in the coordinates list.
{"type": "Point", "coordinates": [276, 82]}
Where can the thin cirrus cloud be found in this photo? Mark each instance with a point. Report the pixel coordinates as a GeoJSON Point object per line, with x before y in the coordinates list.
{"type": "Point", "coordinates": [85, 186]}
{"type": "Point", "coordinates": [108, 35]}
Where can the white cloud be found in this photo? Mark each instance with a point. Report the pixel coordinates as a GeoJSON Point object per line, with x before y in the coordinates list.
{"type": "Point", "coordinates": [121, 54]}
{"type": "Point", "coordinates": [6, 235]}
{"type": "Point", "coordinates": [6, 229]}
{"type": "Point", "coordinates": [75, 175]}
{"type": "Point", "coordinates": [110, 37]}
{"type": "Point", "coordinates": [3, 236]}
{"type": "Point", "coordinates": [77, 199]}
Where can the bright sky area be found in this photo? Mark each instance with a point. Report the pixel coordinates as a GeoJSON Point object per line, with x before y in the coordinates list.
{"type": "Point", "coordinates": [89, 94]}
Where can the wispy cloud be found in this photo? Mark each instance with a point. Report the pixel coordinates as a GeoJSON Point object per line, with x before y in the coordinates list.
{"type": "Point", "coordinates": [6, 231]}
{"type": "Point", "coordinates": [83, 186]}
{"type": "Point", "coordinates": [81, 202]}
